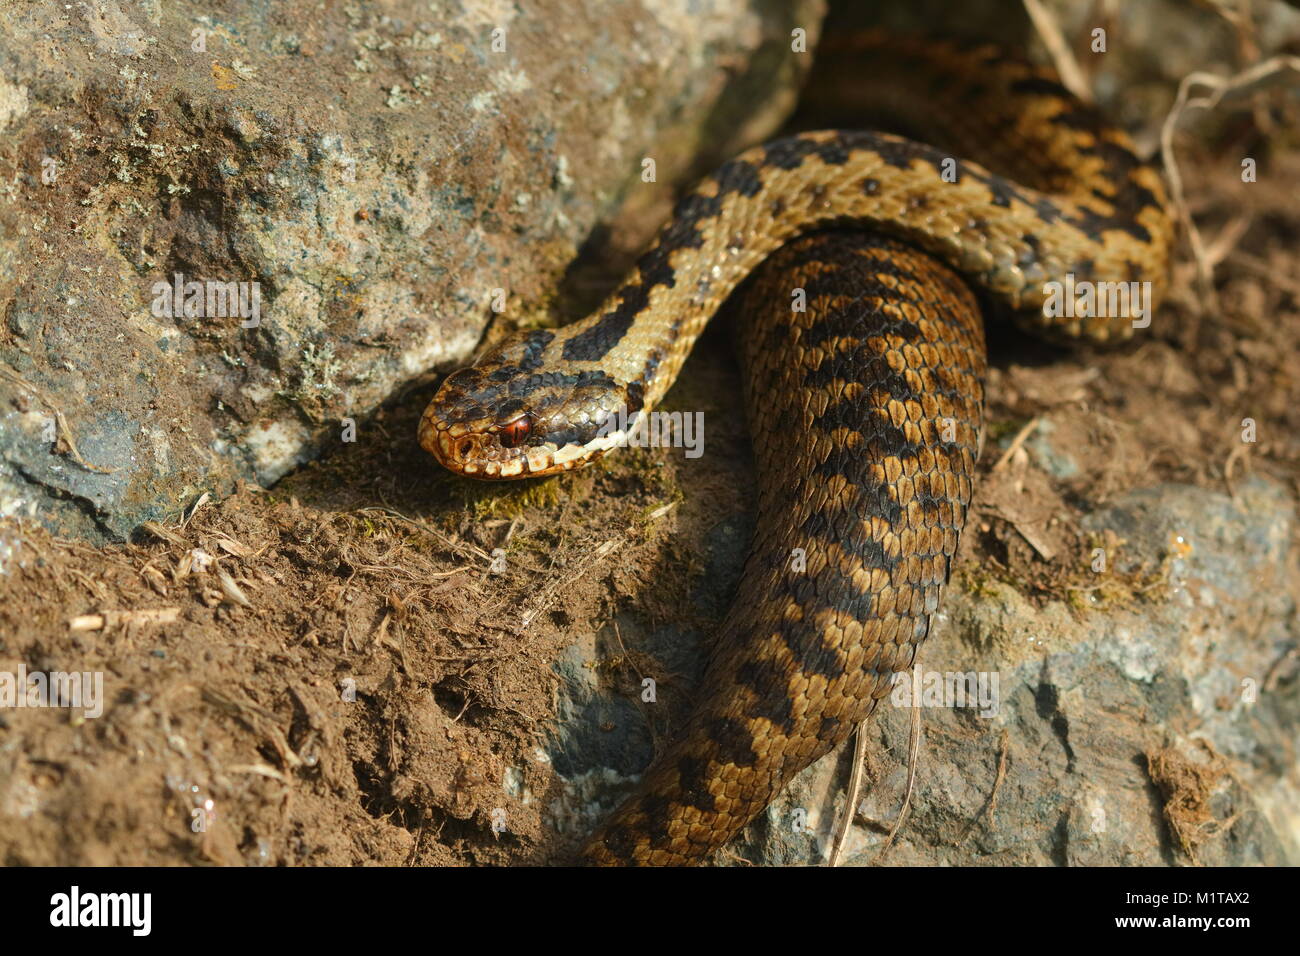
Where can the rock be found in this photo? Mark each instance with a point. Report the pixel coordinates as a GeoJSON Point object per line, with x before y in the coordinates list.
{"type": "Point", "coordinates": [350, 189]}
{"type": "Point", "coordinates": [603, 739]}
{"type": "Point", "coordinates": [1157, 729]}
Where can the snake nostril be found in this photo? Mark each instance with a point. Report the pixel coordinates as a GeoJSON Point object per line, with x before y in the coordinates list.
{"type": "Point", "coordinates": [464, 447]}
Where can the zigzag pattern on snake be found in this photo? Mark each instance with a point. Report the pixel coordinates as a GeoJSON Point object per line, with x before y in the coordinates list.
{"type": "Point", "coordinates": [865, 409]}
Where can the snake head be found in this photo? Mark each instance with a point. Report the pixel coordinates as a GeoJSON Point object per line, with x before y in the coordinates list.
{"type": "Point", "coordinates": [521, 412]}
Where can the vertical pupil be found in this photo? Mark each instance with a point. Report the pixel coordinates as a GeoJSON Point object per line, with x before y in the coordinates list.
{"type": "Point", "coordinates": [514, 433]}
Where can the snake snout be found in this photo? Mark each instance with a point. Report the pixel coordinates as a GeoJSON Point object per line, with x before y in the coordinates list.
{"type": "Point", "coordinates": [481, 449]}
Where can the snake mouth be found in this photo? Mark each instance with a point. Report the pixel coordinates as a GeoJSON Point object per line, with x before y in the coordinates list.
{"type": "Point", "coordinates": [475, 454]}
{"type": "Point", "coordinates": [482, 451]}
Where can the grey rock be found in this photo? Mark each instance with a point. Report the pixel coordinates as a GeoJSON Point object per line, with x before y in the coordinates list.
{"type": "Point", "coordinates": [377, 171]}
{"type": "Point", "coordinates": [1056, 461]}
{"type": "Point", "coordinates": [1080, 703]}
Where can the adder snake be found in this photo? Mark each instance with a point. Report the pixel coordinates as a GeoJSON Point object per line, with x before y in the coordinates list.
{"type": "Point", "coordinates": [865, 408]}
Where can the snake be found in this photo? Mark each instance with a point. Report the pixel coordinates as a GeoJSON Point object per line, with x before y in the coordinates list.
{"type": "Point", "coordinates": [860, 267]}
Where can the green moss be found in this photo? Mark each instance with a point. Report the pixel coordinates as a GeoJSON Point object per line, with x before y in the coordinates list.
{"type": "Point", "coordinates": [1113, 589]}
{"type": "Point", "coordinates": [487, 500]}
{"type": "Point", "coordinates": [995, 431]}
{"type": "Point", "coordinates": [976, 581]}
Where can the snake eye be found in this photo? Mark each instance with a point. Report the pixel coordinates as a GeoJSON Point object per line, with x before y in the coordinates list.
{"type": "Point", "coordinates": [514, 433]}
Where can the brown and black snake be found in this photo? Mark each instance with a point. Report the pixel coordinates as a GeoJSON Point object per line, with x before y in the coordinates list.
{"type": "Point", "coordinates": [865, 407]}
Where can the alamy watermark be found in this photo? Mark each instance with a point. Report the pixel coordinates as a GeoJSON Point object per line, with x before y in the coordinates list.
{"type": "Point", "coordinates": [1084, 299]}
{"type": "Point", "coordinates": [82, 690]}
{"type": "Point", "coordinates": [977, 690]}
{"type": "Point", "coordinates": [208, 299]}
{"type": "Point", "coordinates": [655, 430]}
{"type": "Point", "coordinates": [133, 911]}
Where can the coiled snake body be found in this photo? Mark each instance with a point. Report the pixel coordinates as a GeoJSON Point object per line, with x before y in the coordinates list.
{"type": "Point", "coordinates": [865, 408]}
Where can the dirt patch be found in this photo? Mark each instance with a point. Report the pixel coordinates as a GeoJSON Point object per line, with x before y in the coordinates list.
{"type": "Point", "coordinates": [352, 668]}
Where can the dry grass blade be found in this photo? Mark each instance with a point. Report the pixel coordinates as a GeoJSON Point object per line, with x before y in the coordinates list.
{"type": "Point", "coordinates": [459, 547]}
{"type": "Point", "coordinates": [163, 533]}
{"type": "Point", "coordinates": [855, 782]}
{"type": "Point", "coordinates": [231, 546]}
{"type": "Point", "coordinates": [232, 590]}
{"type": "Point", "coordinates": [260, 769]}
{"type": "Point", "coordinates": [64, 431]}
{"type": "Point", "coordinates": [194, 509]}
{"type": "Point", "coordinates": [96, 622]}
{"type": "Point", "coordinates": [258, 719]}
{"type": "Point", "coordinates": [991, 804]}
{"type": "Point", "coordinates": [913, 759]}
{"type": "Point", "coordinates": [851, 800]}
{"type": "Point", "coordinates": [1216, 89]}
{"type": "Point", "coordinates": [1021, 437]}
{"type": "Point", "coordinates": [1049, 31]}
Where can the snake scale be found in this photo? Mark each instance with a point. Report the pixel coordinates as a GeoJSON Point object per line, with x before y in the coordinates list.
{"type": "Point", "coordinates": [865, 407]}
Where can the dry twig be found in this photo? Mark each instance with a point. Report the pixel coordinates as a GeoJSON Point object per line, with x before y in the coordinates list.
{"type": "Point", "coordinates": [1214, 90]}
